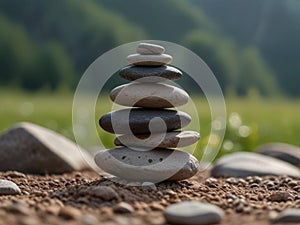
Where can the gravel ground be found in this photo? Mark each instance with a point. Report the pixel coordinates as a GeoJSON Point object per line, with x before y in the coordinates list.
{"type": "Point", "coordinates": [88, 198]}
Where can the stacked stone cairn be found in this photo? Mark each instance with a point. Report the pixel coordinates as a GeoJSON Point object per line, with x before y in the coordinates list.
{"type": "Point", "coordinates": [149, 132]}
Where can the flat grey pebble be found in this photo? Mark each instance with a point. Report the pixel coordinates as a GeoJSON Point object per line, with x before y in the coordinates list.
{"type": "Point", "coordinates": [193, 213]}
{"type": "Point", "coordinates": [150, 49]}
{"type": "Point", "coordinates": [8, 188]}
{"type": "Point", "coordinates": [171, 139]}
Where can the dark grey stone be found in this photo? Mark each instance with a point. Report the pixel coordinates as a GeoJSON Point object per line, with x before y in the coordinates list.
{"type": "Point", "coordinates": [193, 213]}
{"type": "Point", "coordinates": [282, 151]}
{"type": "Point", "coordinates": [29, 148]}
{"type": "Point", "coordinates": [138, 120]}
{"type": "Point", "coordinates": [243, 164]}
{"type": "Point", "coordinates": [150, 74]}
{"type": "Point", "coordinates": [8, 188]}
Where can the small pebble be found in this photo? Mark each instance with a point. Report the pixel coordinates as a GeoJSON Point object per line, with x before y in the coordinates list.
{"type": "Point", "coordinates": [281, 196]}
{"type": "Point", "coordinates": [192, 213]}
{"type": "Point", "coordinates": [69, 213]}
{"type": "Point", "coordinates": [106, 193]}
{"type": "Point", "coordinates": [8, 188]}
{"type": "Point", "coordinates": [123, 207]}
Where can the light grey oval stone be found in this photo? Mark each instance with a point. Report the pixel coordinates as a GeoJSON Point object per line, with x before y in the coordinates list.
{"type": "Point", "coordinates": [8, 188]}
{"type": "Point", "coordinates": [150, 49]}
{"type": "Point", "coordinates": [169, 140]}
{"type": "Point", "coordinates": [193, 213]}
{"type": "Point", "coordinates": [149, 60]}
{"type": "Point", "coordinates": [154, 166]}
{"type": "Point", "coordinates": [137, 121]}
{"type": "Point", "coordinates": [30, 148]}
{"type": "Point", "coordinates": [291, 215]}
{"type": "Point", "coordinates": [282, 151]}
{"type": "Point", "coordinates": [149, 95]}
{"type": "Point", "coordinates": [243, 164]}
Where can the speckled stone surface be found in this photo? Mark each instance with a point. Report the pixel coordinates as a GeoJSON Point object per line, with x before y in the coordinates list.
{"type": "Point", "coordinates": [155, 165]}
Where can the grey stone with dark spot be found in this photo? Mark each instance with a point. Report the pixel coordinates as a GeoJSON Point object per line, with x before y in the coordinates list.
{"type": "Point", "coordinates": [30, 148]}
{"type": "Point", "coordinates": [139, 119]}
{"type": "Point", "coordinates": [291, 215]}
{"type": "Point", "coordinates": [243, 164]}
{"type": "Point", "coordinates": [8, 188]}
{"type": "Point", "coordinates": [154, 166]}
{"type": "Point", "coordinates": [150, 74]}
{"type": "Point", "coordinates": [282, 151]}
{"type": "Point", "coordinates": [193, 213]}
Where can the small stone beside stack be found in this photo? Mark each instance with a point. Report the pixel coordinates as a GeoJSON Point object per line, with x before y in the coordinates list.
{"type": "Point", "coordinates": [149, 132]}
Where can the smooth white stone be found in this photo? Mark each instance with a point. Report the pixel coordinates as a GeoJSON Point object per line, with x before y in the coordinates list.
{"type": "Point", "coordinates": [149, 95]}
{"type": "Point", "coordinates": [150, 49]}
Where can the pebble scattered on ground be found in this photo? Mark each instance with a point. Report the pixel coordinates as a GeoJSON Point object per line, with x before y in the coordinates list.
{"type": "Point", "coordinates": [193, 213]}
{"type": "Point", "coordinates": [244, 164]}
{"type": "Point", "coordinates": [8, 188]}
{"type": "Point", "coordinates": [244, 200]}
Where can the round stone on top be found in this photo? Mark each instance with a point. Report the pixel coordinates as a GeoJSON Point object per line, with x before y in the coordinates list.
{"type": "Point", "coordinates": [150, 49]}
{"type": "Point", "coordinates": [149, 60]}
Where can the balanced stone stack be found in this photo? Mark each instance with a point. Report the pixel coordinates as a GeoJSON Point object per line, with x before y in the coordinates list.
{"type": "Point", "coordinates": [149, 132]}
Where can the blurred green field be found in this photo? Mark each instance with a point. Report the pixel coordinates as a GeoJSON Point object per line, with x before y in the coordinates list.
{"type": "Point", "coordinates": [250, 121]}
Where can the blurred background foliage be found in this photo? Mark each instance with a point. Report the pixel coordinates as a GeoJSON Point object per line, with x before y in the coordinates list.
{"type": "Point", "coordinates": [251, 46]}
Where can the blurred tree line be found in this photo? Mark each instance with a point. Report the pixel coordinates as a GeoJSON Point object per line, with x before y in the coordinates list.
{"type": "Point", "coordinates": [249, 45]}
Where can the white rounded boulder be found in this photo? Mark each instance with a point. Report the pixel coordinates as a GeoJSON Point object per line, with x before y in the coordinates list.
{"type": "Point", "coordinates": [154, 166]}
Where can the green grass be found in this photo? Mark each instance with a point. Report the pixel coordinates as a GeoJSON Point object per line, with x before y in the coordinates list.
{"type": "Point", "coordinates": [250, 122]}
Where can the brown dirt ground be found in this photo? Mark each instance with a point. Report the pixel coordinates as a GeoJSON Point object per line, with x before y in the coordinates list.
{"type": "Point", "coordinates": [60, 199]}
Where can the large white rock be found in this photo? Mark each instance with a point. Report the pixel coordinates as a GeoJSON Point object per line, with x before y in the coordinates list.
{"type": "Point", "coordinates": [155, 165]}
{"type": "Point", "coordinates": [244, 164]}
{"type": "Point", "coordinates": [150, 49]}
{"type": "Point", "coordinates": [30, 148]}
{"type": "Point", "coordinates": [193, 213]}
{"type": "Point", "coordinates": [149, 60]}
{"type": "Point", "coordinates": [168, 140]}
{"type": "Point", "coordinates": [149, 95]}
